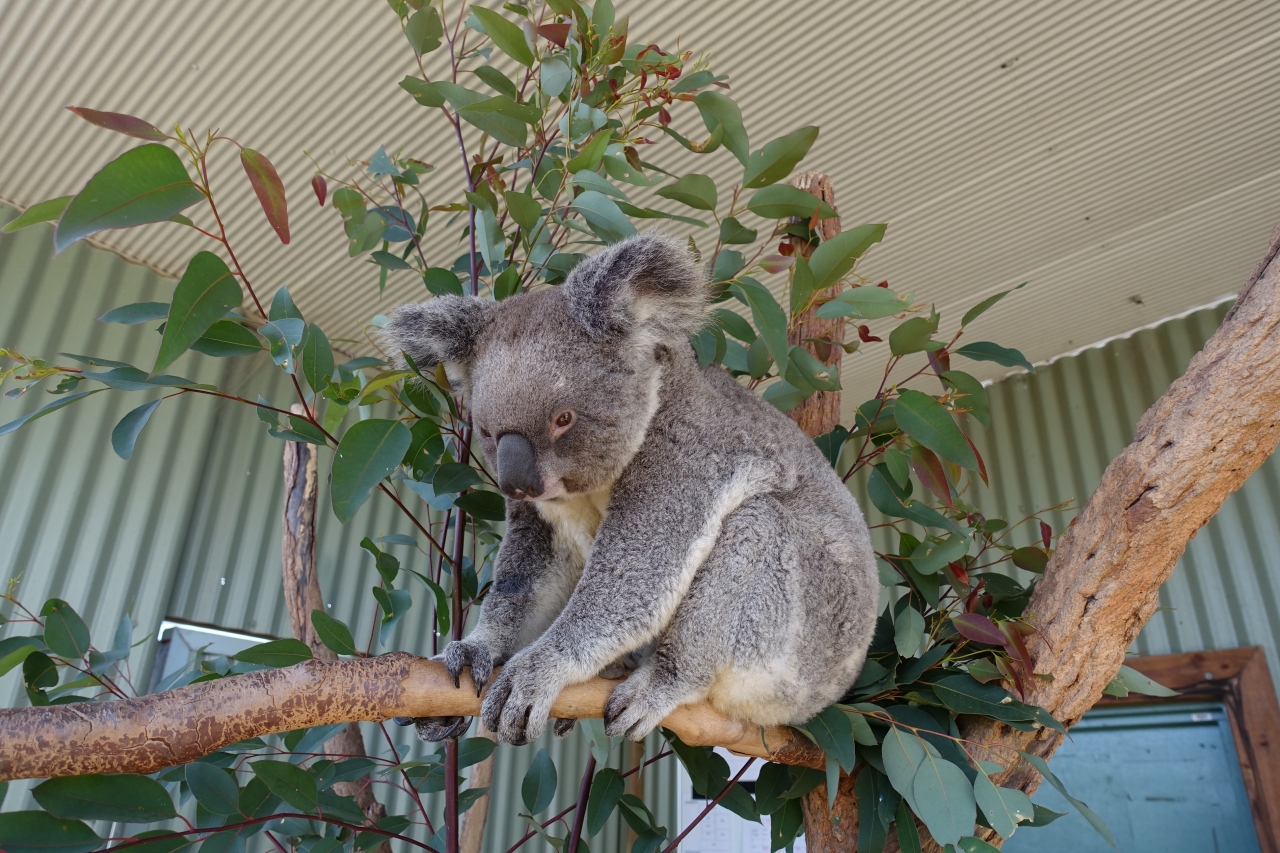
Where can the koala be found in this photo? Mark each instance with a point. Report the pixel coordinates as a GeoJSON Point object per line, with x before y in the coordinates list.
{"type": "Point", "coordinates": [660, 517]}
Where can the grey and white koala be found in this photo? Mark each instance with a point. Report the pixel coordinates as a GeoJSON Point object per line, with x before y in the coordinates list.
{"type": "Point", "coordinates": [656, 510]}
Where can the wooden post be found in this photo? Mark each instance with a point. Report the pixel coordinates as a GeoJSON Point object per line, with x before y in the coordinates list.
{"type": "Point", "coordinates": [302, 596]}
{"type": "Point", "coordinates": [827, 830]}
{"type": "Point", "coordinates": [474, 819]}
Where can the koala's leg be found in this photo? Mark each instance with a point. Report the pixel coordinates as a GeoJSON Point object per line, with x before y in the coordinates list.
{"type": "Point", "coordinates": [728, 621]}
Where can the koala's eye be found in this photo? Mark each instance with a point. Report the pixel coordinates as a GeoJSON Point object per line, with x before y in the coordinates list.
{"type": "Point", "coordinates": [562, 422]}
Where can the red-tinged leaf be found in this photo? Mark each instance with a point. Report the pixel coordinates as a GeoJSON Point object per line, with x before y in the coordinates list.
{"type": "Point", "coordinates": [1013, 673]}
{"type": "Point", "coordinates": [664, 117]}
{"type": "Point", "coordinates": [1017, 649]}
{"type": "Point", "coordinates": [1046, 535]}
{"type": "Point", "coordinates": [940, 361]}
{"type": "Point", "coordinates": [884, 283]}
{"type": "Point", "coordinates": [557, 34]}
{"type": "Point", "coordinates": [980, 629]}
{"type": "Point", "coordinates": [269, 189]}
{"type": "Point", "coordinates": [321, 189]}
{"type": "Point", "coordinates": [864, 334]}
{"type": "Point", "coordinates": [776, 263]}
{"type": "Point", "coordinates": [959, 572]}
{"type": "Point", "coordinates": [121, 123]}
{"type": "Point", "coordinates": [982, 466]}
{"type": "Point", "coordinates": [929, 470]}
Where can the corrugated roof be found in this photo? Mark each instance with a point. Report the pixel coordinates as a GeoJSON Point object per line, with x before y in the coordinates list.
{"type": "Point", "coordinates": [1119, 157]}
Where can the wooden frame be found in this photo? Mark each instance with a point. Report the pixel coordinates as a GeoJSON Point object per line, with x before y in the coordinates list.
{"type": "Point", "coordinates": [1238, 678]}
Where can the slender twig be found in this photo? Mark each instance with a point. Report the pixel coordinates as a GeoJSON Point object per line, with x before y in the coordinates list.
{"type": "Point", "coordinates": [579, 816]}
{"type": "Point", "coordinates": [697, 820]}
{"type": "Point", "coordinates": [212, 830]}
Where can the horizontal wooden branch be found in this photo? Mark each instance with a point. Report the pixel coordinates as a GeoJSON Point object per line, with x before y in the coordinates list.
{"type": "Point", "coordinates": [148, 733]}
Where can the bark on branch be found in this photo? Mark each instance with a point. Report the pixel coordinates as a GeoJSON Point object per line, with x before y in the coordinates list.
{"type": "Point", "coordinates": [148, 733]}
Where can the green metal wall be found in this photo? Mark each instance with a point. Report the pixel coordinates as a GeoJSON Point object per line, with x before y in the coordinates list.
{"type": "Point", "coordinates": [189, 529]}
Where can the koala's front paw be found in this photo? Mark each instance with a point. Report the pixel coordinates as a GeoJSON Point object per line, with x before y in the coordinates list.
{"type": "Point", "coordinates": [519, 700]}
{"type": "Point", "coordinates": [470, 653]}
{"type": "Point", "coordinates": [635, 708]}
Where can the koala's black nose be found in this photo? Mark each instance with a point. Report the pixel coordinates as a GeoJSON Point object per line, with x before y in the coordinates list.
{"type": "Point", "coordinates": [518, 467]}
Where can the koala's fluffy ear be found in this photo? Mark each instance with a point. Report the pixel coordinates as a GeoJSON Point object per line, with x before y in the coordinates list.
{"type": "Point", "coordinates": [649, 280]}
{"type": "Point", "coordinates": [443, 330]}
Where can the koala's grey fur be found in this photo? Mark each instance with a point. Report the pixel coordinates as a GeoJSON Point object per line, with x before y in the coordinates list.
{"type": "Point", "coordinates": [684, 521]}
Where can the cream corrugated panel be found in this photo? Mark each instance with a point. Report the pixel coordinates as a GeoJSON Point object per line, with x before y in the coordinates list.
{"type": "Point", "coordinates": [1119, 157]}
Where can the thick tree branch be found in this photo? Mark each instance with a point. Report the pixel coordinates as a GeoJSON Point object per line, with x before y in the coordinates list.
{"type": "Point", "coordinates": [148, 733]}
{"type": "Point", "coordinates": [1192, 449]}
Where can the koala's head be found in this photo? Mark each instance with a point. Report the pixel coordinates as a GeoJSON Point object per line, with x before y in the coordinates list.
{"type": "Point", "coordinates": [562, 383]}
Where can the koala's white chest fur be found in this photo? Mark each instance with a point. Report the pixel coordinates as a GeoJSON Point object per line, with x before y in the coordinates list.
{"type": "Point", "coordinates": [574, 520]}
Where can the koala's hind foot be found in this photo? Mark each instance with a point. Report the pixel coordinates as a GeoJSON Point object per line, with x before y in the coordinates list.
{"type": "Point", "coordinates": [436, 729]}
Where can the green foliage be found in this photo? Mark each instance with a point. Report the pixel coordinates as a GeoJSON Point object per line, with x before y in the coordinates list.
{"type": "Point", "coordinates": [551, 108]}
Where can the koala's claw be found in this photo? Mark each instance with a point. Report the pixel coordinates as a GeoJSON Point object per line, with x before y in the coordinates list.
{"type": "Point", "coordinates": [564, 726]}
{"type": "Point", "coordinates": [463, 653]}
{"type": "Point", "coordinates": [633, 709]}
{"type": "Point", "coordinates": [436, 729]}
{"type": "Point", "coordinates": [518, 702]}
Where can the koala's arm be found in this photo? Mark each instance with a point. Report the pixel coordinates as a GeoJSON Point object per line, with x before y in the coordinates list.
{"type": "Point", "coordinates": [528, 591]}
{"type": "Point", "coordinates": [663, 520]}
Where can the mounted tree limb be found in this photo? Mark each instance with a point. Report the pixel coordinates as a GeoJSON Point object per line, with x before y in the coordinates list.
{"type": "Point", "coordinates": [302, 596]}
{"type": "Point", "coordinates": [1192, 449]}
{"type": "Point", "coordinates": [148, 733]}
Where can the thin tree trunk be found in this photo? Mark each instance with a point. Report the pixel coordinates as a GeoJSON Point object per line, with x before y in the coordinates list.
{"type": "Point", "coordinates": [827, 830]}
{"type": "Point", "coordinates": [302, 596]}
{"type": "Point", "coordinates": [474, 819]}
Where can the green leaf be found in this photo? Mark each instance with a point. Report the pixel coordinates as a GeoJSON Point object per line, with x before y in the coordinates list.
{"type": "Point", "coordinates": [769, 318]}
{"type": "Point", "coordinates": [125, 433]}
{"type": "Point", "coordinates": [974, 395]}
{"type": "Point", "coordinates": [1044, 816]}
{"type": "Point", "coordinates": [441, 282]}
{"type": "Point", "coordinates": [276, 653]}
{"type": "Point", "coordinates": [125, 798]}
{"type": "Point", "coordinates": [507, 36]}
{"type": "Point", "coordinates": [944, 799]}
{"type": "Point", "coordinates": [779, 201]}
{"type": "Point", "coordinates": [696, 191]}
{"type": "Point", "coordinates": [135, 313]}
{"type": "Point", "coordinates": [388, 261]}
{"type": "Point", "coordinates": [785, 825]}
{"type": "Point", "coordinates": [269, 189]}
{"type": "Point", "coordinates": [776, 160]}
{"type": "Point", "coordinates": [333, 633]}
{"type": "Point", "coordinates": [603, 216]}
{"type": "Point", "coordinates": [539, 785]}
{"type": "Point", "coordinates": [903, 752]}
{"type": "Point", "coordinates": [143, 185]}
{"type": "Point", "coordinates": [14, 650]}
{"type": "Point", "coordinates": [734, 233]}
{"type": "Point", "coordinates": [1003, 808]}
{"type": "Point", "coordinates": [988, 351]}
{"type": "Point", "coordinates": [864, 303]}
{"type": "Point", "coordinates": [1096, 822]}
{"type": "Point", "coordinates": [908, 632]}
{"type": "Point", "coordinates": [720, 113]}
{"type": "Point", "coordinates": [965, 695]}
{"type": "Point", "coordinates": [369, 450]}
{"type": "Point", "coordinates": [1031, 559]}
{"type": "Point", "coordinates": [805, 370]}
{"type": "Point", "coordinates": [486, 505]}
{"type": "Point", "coordinates": [45, 211]}
{"type": "Point", "coordinates": [316, 356]}
{"type": "Point", "coordinates": [204, 295]}
{"type": "Point", "coordinates": [833, 260]}
{"type": "Point", "coordinates": [282, 305]}
{"type": "Point", "coordinates": [588, 158]}
{"type": "Point", "coordinates": [39, 671]}
{"type": "Point", "coordinates": [928, 422]}
{"type": "Point", "coordinates": [913, 335]}
{"type": "Point", "coordinates": [524, 209]}
{"type": "Point", "coordinates": [454, 477]}
{"type": "Point", "coordinates": [227, 338]}
{"type": "Point", "coordinates": [554, 76]}
{"type": "Point", "coordinates": [473, 750]}
{"type": "Point", "coordinates": [46, 409]}
{"type": "Point", "coordinates": [498, 81]}
{"type": "Point", "coordinates": [214, 788]}
{"type": "Point", "coordinates": [1135, 682]}
{"type": "Point", "coordinates": [971, 844]}
{"type": "Point", "coordinates": [908, 835]}
{"type": "Point", "coordinates": [289, 782]}
{"type": "Point", "coordinates": [831, 731]}
{"type": "Point", "coordinates": [606, 789]}
{"type": "Point", "coordinates": [65, 633]}
{"type": "Point", "coordinates": [977, 310]}
{"type": "Point", "coordinates": [41, 832]}
{"type": "Point", "coordinates": [424, 30]}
